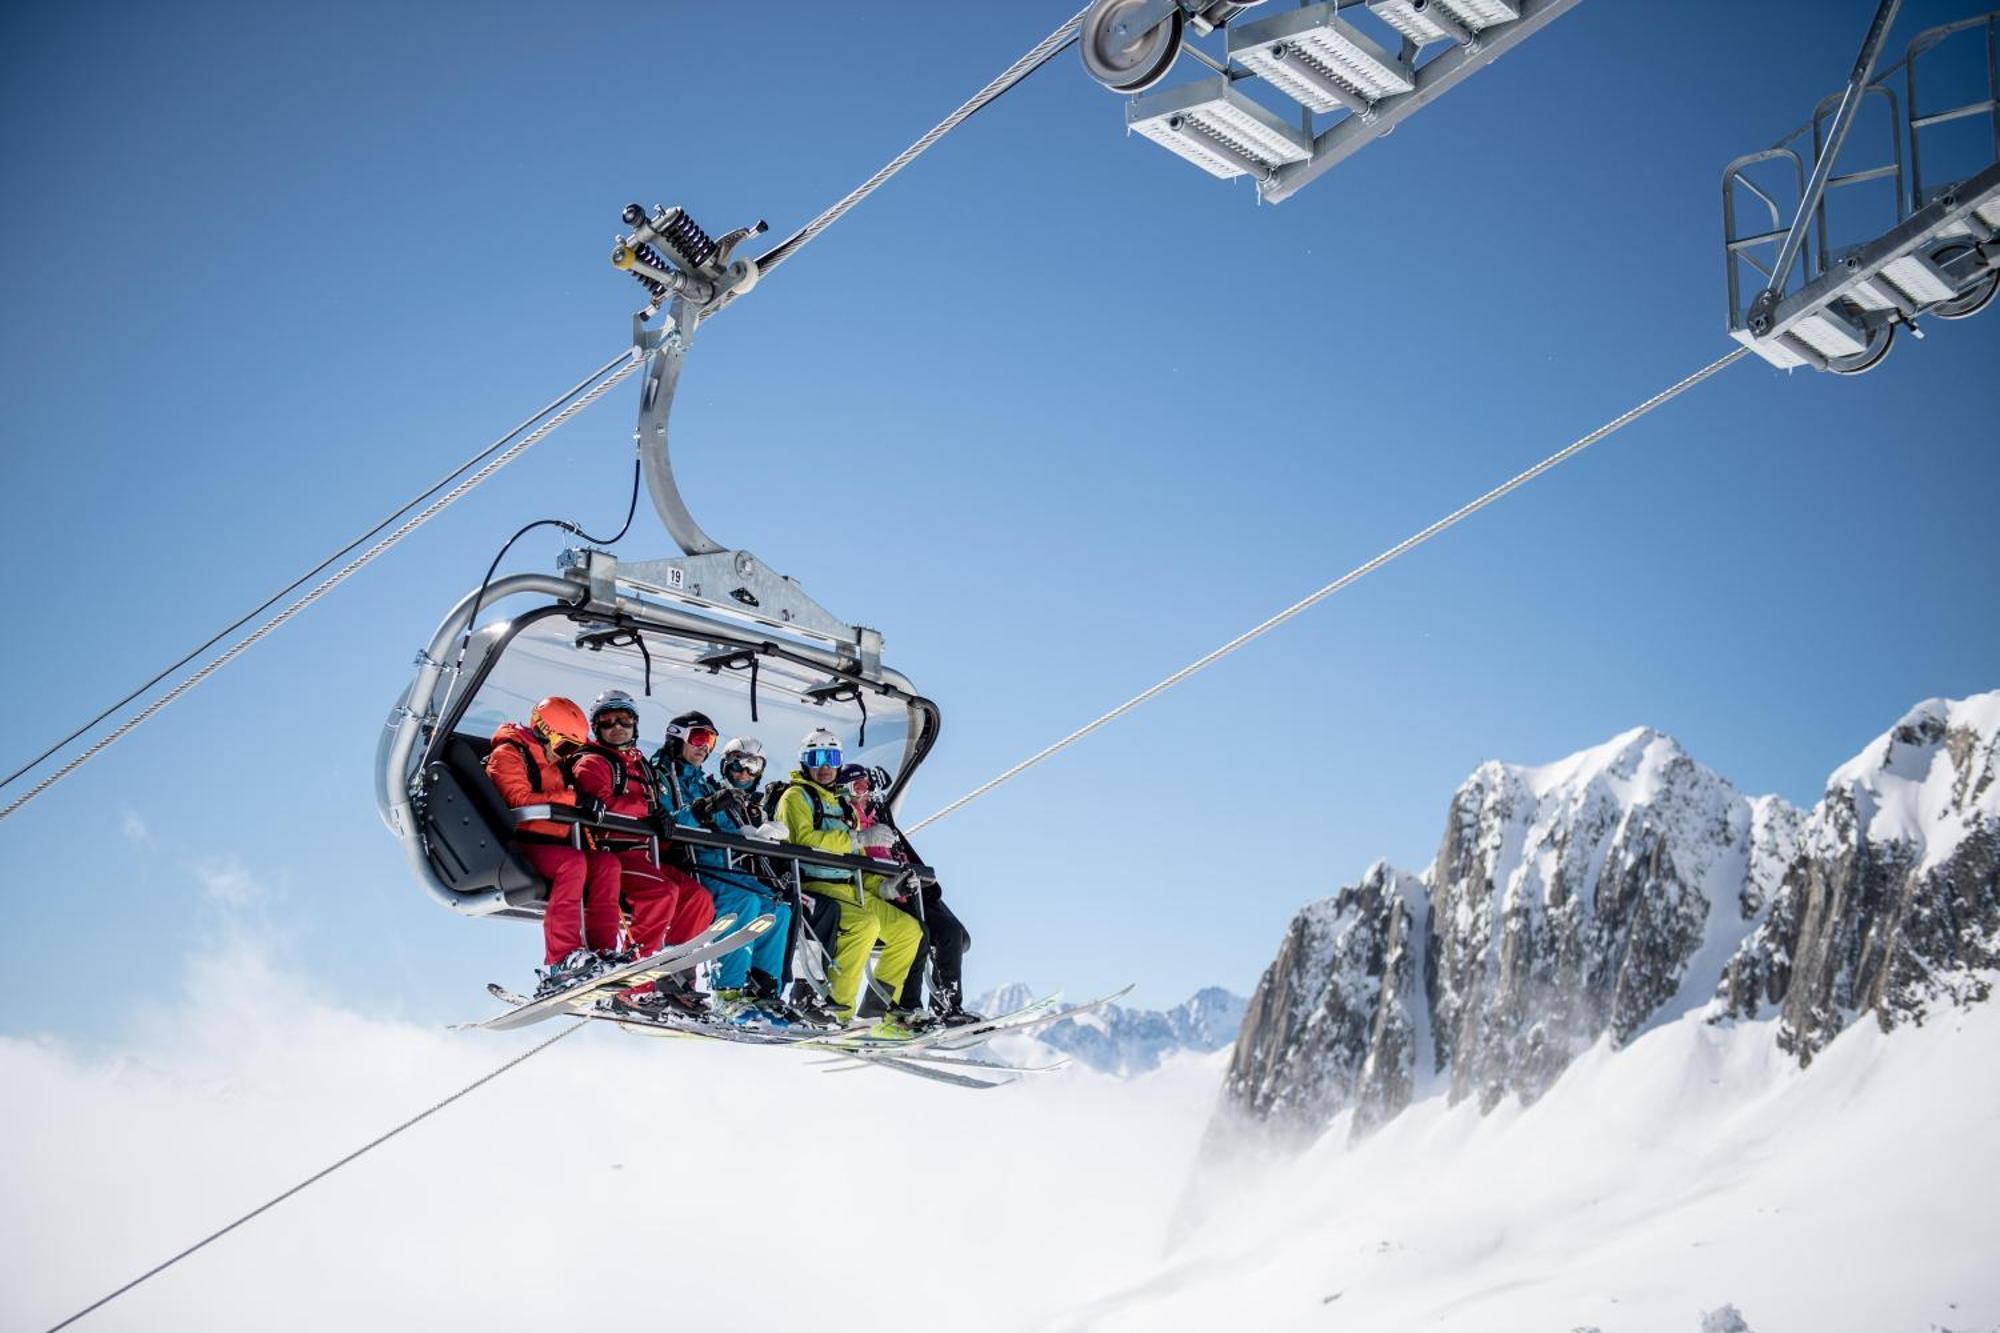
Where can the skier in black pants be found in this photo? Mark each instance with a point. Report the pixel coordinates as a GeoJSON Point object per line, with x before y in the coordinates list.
{"type": "Point", "coordinates": [945, 937]}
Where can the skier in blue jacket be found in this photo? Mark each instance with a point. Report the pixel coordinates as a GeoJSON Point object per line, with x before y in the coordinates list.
{"type": "Point", "coordinates": [746, 980]}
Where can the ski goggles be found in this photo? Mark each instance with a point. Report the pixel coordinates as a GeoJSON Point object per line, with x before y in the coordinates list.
{"type": "Point", "coordinates": [753, 764]}
{"type": "Point", "coordinates": [822, 756]}
{"type": "Point", "coordinates": [701, 738]}
{"type": "Point", "coordinates": [623, 720]}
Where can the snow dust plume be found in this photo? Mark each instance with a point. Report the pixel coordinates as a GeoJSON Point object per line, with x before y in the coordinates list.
{"type": "Point", "coordinates": [685, 1182]}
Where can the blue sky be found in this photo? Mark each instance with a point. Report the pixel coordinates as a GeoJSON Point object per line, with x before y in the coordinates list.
{"type": "Point", "coordinates": [1054, 410]}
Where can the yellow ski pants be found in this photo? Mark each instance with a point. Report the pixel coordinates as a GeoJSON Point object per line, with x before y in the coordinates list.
{"type": "Point", "coordinates": [861, 925]}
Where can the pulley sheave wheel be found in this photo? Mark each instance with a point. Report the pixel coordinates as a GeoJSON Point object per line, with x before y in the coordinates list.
{"type": "Point", "coordinates": [1970, 301]}
{"type": "Point", "coordinates": [1879, 340]}
{"type": "Point", "coordinates": [1133, 62]}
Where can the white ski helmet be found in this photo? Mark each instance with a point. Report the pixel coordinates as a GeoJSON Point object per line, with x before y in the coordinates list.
{"type": "Point", "coordinates": [819, 749]}
{"type": "Point", "coordinates": [744, 752]}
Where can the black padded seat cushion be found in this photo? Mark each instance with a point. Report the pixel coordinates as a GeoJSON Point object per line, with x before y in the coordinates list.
{"type": "Point", "coordinates": [468, 828]}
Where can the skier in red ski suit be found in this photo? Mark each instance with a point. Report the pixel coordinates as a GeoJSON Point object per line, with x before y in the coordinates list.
{"type": "Point", "coordinates": [669, 906]}
{"type": "Point", "coordinates": [526, 766]}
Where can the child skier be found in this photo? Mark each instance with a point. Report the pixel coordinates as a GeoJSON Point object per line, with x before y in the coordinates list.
{"type": "Point", "coordinates": [945, 938]}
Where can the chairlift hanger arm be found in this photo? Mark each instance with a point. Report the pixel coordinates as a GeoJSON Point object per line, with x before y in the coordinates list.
{"type": "Point", "coordinates": [1843, 120]}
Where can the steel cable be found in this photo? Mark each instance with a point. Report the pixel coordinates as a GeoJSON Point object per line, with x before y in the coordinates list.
{"type": "Point", "coordinates": [306, 577]}
{"type": "Point", "coordinates": [1037, 56]}
{"type": "Point", "coordinates": [631, 360]}
{"type": "Point", "coordinates": [1308, 602]}
{"type": "Point", "coordinates": [322, 1174]}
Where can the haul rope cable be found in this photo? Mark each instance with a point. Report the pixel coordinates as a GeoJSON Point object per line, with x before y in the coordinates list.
{"type": "Point", "coordinates": [321, 1174]}
{"type": "Point", "coordinates": [631, 361]}
{"type": "Point", "coordinates": [1307, 603]}
{"type": "Point", "coordinates": [315, 571]}
{"type": "Point", "coordinates": [1037, 56]}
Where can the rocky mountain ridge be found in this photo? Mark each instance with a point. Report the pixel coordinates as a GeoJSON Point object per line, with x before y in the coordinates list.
{"type": "Point", "coordinates": [1620, 888]}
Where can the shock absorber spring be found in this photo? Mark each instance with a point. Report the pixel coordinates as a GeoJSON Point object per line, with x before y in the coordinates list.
{"type": "Point", "coordinates": [685, 237]}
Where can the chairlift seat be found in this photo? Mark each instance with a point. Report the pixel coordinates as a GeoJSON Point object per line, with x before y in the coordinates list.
{"type": "Point", "coordinates": [468, 828]}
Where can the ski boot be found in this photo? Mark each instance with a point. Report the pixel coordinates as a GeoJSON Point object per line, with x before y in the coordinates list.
{"type": "Point", "coordinates": [678, 997]}
{"type": "Point", "coordinates": [810, 1010]}
{"type": "Point", "coordinates": [901, 1025]}
{"type": "Point", "coordinates": [579, 966]}
{"type": "Point", "coordinates": [949, 1006]}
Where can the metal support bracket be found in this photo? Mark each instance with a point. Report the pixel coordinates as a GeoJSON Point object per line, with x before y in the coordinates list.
{"type": "Point", "coordinates": [733, 581]}
{"type": "Point", "coordinates": [1760, 317]}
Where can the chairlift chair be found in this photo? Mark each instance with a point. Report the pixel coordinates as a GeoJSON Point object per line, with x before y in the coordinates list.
{"type": "Point", "coordinates": [713, 630]}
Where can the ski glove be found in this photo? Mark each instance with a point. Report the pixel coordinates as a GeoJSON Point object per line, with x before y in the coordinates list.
{"type": "Point", "coordinates": [875, 838]}
{"type": "Point", "coordinates": [588, 806]}
{"type": "Point", "coordinates": [768, 832]}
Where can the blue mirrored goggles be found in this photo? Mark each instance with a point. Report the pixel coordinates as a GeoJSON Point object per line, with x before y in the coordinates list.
{"type": "Point", "coordinates": [821, 757]}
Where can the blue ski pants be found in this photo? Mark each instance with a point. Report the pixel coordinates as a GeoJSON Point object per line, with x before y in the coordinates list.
{"type": "Point", "coordinates": [767, 952]}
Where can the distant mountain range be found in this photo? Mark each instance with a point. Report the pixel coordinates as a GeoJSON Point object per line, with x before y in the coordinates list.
{"type": "Point", "coordinates": [1124, 1042]}
{"type": "Point", "coordinates": [1622, 888]}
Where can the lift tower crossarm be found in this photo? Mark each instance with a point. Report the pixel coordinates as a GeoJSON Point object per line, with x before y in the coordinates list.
{"type": "Point", "coordinates": [1843, 120]}
{"type": "Point", "coordinates": [1433, 80]}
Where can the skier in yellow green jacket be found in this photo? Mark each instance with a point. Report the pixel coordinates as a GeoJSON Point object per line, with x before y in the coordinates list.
{"type": "Point", "coordinates": [816, 815]}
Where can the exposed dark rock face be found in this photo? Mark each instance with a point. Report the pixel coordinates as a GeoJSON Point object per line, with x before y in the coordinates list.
{"type": "Point", "coordinates": [1578, 900]}
{"type": "Point", "coordinates": [1894, 903]}
{"type": "Point", "coordinates": [1334, 1021]}
{"type": "Point", "coordinates": [1625, 887]}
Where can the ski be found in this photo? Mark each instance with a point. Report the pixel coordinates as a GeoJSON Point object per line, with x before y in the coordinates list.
{"type": "Point", "coordinates": [939, 1036]}
{"type": "Point", "coordinates": [581, 997]}
{"type": "Point", "coordinates": [1014, 1025]}
{"type": "Point", "coordinates": [918, 1070]}
{"type": "Point", "coordinates": [848, 1060]}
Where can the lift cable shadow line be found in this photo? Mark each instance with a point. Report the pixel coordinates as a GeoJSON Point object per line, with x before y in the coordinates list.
{"type": "Point", "coordinates": [1307, 603]}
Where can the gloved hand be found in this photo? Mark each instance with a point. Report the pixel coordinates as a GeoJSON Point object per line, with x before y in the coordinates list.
{"type": "Point", "coordinates": [588, 806]}
{"type": "Point", "coordinates": [768, 832]}
{"type": "Point", "coordinates": [875, 838]}
{"type": "Point", "coordinates": [737, 802]}
{"type": "Point", "coordinates": [704, 809]}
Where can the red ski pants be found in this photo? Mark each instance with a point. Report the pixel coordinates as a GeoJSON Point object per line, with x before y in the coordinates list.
{"type": "Point", "coordinates": [669, 906]}
{"type": "Point", "coordinates": [583, 898]}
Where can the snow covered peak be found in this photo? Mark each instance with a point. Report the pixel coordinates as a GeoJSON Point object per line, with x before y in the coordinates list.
{"type": "Point", "coordinates": [1625, 764]}
{"type": "Point", "coordinates": [1608, 893]}
{"type": "Point", "coordinates": [1893, 902]}
{"type": "Point", "coordinates": [1928, 782]}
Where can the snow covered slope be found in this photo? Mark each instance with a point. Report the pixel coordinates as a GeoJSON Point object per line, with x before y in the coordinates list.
{"type": "Point", "coordinates": [1620, 889]}
{"type": "Point", "coordinates": [1697, 1169]}
{"type": "Point", "coordinates": [1124, 1042]}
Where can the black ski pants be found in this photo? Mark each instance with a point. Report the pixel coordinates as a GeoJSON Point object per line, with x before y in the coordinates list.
{"type": "Point", "coordinates": [945, 941]}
